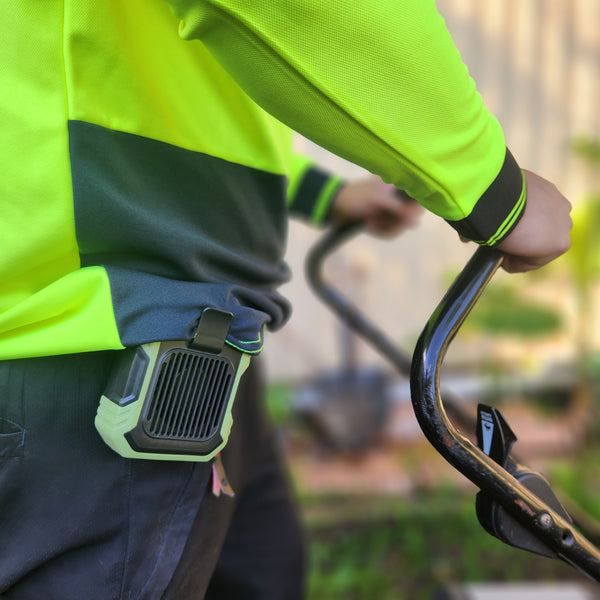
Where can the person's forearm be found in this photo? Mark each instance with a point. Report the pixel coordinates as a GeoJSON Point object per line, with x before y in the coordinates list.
{"type": "Point", "coordinates": [379, 83]}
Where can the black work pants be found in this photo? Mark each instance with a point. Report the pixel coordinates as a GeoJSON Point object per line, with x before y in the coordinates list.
{"type": "Point", "coordinates": [78, 521]}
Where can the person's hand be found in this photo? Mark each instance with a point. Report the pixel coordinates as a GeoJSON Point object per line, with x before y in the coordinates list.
{"type": "Point", "coordinates": [381, 207]}
{"type": "Point", "coordinates": [542, 234]}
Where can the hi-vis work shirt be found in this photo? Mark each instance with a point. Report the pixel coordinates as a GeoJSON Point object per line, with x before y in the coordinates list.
{"type": "Point", "coordinates": [145, 160]}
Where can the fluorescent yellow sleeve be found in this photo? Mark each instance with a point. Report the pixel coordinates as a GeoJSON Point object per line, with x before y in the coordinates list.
{"type": "Point", "coordinates": [378, 82]}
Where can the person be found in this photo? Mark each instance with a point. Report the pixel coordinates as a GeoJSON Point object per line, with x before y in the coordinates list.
{"type": "Point", "coordinates": [144, 179]}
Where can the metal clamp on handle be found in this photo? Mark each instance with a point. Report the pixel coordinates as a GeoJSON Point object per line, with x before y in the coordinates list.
{"type": "Point", "coordinates": [535, 515]}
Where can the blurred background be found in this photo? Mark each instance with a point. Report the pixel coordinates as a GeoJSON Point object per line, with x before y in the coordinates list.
{"type": "Point", "coordinates": [386, 517]}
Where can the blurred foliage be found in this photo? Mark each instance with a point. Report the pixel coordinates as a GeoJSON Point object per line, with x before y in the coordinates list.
{"type": "Point", "coordinates": [579, 480]}
{"type": "Point", "coordinates": [584, 256]}
{"type": "Point", "coordinates": [503, 310]}
{"type": "Point", "coordinates": [392, 548]}
{"type": "Point", "coordinates": [279, 401]}
{"type": "Point", "coordinates": [585, 237]}
{"type": "Point", "coordinates": [588, 149]}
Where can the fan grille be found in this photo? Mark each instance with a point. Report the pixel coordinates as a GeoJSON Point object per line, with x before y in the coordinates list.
{"type": "Point", "coordinates": [190, 396]}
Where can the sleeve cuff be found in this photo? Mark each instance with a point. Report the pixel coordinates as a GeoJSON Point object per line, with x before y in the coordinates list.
{"type": "Point", "coordinates": [499, 209]}
{"type": "Point", "coordinates": [314, 195]}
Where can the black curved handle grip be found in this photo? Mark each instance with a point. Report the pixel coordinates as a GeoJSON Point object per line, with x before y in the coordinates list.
{"type": "Point", "coordinates": [356, 320]}
{"type": "Point", "coordinates": [344, 309]}
{"type": "Point", "coordinates": [552, 530]}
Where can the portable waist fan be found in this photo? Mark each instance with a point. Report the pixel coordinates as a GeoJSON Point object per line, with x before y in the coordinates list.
{"type": "Point", "coordinates": [173, 400]}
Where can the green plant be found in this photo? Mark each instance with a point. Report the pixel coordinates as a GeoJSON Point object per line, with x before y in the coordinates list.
{"type": "Point", "coordinates": [503, 310]}
{"type": "Point", "coordinates": [587, 149]}
{"type": "Point", "coordinates": [585, 242]}
{"type": "Point", "coordinates": [278, 401]}
{"type": "Point", "coordinates": [387, 547]}
{"type": "Point", "coordinates": [579, 480]}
